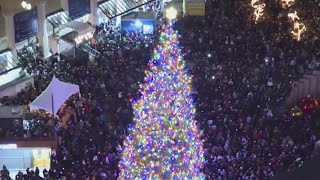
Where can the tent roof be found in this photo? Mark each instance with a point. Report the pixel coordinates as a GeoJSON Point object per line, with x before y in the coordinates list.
{"type": "Point", "coordinates": [54, 96]}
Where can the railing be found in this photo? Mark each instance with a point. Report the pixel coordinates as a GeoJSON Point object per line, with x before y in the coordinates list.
{"type": "Point", "coordinates": [90, 50]}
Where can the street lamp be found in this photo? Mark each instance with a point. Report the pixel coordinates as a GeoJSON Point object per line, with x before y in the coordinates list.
{"type": "Point", "coordinates": [171, 13]}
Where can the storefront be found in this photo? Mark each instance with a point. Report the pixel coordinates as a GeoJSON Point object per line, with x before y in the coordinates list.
{"type": "Point", "coordinates": [20, 155]}
{"type": "Point", "coordinates": [69, 30]}
{"type": "Point", "coordinates": [144, 22]}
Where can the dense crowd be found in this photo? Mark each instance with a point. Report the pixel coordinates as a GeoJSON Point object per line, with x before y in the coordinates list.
{"type": "Point", "coordinates": [89, 144]}
{"type": "Point", "coordinates": [242, 73]}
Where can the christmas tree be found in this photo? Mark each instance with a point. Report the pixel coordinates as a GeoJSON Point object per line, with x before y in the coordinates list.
{"type": "Point", "coordinates": [164, 142]}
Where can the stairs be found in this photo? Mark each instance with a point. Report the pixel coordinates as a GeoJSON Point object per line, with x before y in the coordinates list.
{"type": "Point", "coordinates": [309, 84]}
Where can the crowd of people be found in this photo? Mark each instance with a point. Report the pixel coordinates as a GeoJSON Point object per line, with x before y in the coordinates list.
{"type": "Point", "coordinates": [89, 143]}
{"type": "Point", "coordinates": [242, 74]}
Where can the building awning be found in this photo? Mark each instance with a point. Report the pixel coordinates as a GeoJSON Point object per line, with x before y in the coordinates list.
{"type": "Point", "coordinates": [8, 62]}
{"type": "Point", "coordinates": [58, 18]}
{"type": "Point", "coordinates": [80, 27]}
{"type": "Point", "coordinates": [114, 8]}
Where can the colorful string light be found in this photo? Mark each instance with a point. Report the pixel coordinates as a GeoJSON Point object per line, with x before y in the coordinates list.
{"type": "Point", "coordinates": [298, 27]}
{"type": "Point", "coordinates": [164, 142]}
{"type": "Point", "coordinates": [298, 30]}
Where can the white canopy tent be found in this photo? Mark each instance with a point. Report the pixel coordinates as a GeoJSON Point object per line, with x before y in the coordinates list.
{"type": "Point", "coordinates": [54, 96]}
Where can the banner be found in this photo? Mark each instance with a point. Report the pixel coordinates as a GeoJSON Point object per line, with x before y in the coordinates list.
{"type": "Point", "coordinates": [78, 8]}
{"type": "Point", "coordinates": [25, 25]}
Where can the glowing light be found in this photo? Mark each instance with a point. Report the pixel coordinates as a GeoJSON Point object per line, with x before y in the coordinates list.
{"type": "Point", "coordinates": [295, 112]}
{"type": "Point", "coordinates": [253, 2]}
{"type": "Point", "coordinates": [138, 23]}
{"type": "Point", "coordinates": [293, 16]}
{"type": "Point", "coordinates": [25, 5]}
{"type": "Point", "coordinates": [287, 3]}
{"type": "Point", "coordinates": [28, 6]}
{"type": "Point", "coordinates": [298, 30]}
{"type": "Point", "coordinates": [164, 142]}
{"type": "Point", "coordinates": [171, 13]}
{"type": "Point", "coordinates": [298, 27]}
{"type": "Point", "coordinates": [83, 37]}
{"type": "Point", "coordinates": [258, 9]}
{"type": "Point", "coordinates": [8, 146]}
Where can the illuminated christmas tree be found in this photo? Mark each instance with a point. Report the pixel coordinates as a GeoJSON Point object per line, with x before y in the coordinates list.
{"type": "Point", "coordinates": [164, 141]}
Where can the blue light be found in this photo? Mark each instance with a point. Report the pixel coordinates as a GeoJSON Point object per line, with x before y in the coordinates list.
{"type": "Point", "coordinates": [138, 23]}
